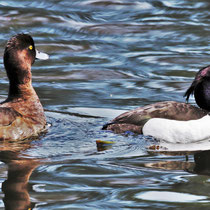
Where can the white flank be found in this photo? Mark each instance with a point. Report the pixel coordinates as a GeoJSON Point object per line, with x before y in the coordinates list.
{"type": "Point", "coordinates": [175, 131]}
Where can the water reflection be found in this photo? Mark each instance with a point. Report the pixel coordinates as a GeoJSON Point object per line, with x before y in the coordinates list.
{"type": "Point", "coordinates": [114, 55]}
{"type": "Point", "coordinates": [201, 164]}
{"type": "Point", "coordinates": [20, 168]}
{"type": "Point", "coordinates": [15, 188]}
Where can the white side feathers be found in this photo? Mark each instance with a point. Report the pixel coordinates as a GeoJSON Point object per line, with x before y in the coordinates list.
{"type": "Point", "coordinates": [175, 131]}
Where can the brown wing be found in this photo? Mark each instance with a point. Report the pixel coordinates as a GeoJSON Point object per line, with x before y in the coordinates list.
{"type": "Point", "coordinates": [135, 119]}
{"type": "Point", "coordinates": [7, 116]}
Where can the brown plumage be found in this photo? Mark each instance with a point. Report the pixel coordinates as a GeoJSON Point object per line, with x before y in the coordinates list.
{"type": "Point", "coordinates": [135, 119]}
{"type": "Point", "coordinates": [21, 114]}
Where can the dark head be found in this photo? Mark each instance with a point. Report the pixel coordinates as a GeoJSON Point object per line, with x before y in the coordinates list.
{"type": "Point", "coordinates": [19, 55]}
{"type": "Point", "coordinates": [200, 87]}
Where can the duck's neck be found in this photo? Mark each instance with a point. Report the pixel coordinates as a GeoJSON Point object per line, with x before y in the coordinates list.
{"type": "Point", "coordinates": [23, 91]}
{"type": "Point", "coordinates": [19, 81]}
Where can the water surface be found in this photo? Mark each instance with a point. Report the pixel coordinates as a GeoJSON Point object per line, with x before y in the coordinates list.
{"type": "Point", "coordinates": [105, 57]}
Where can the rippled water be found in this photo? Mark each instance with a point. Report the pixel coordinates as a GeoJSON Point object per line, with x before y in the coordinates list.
{"type": "Point", "coordinates": [105, 57]}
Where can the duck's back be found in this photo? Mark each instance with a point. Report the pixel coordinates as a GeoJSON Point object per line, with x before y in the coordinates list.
{"type": "Point", "coordinates": [135, 119]}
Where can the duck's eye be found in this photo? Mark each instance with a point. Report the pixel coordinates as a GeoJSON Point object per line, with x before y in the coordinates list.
{"type": "Point", "coordinates": [30, 47]}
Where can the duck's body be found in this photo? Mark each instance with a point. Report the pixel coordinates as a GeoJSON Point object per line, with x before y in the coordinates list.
{"type": "Point", "coordinates": [21, 114]}
{"type": "Point", "coordinates": [135, 120]}
{"type": "Point", "coordinates": [21, 118]}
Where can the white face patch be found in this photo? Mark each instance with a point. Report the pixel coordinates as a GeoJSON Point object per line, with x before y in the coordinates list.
{"type": "Point", "coordinates": [41, 55]}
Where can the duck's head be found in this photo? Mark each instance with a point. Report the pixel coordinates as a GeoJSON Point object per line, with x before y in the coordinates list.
{"type": "Point", "coordinates": [20, 53]}
{"type": "Point", "coordinates": [200, 87]}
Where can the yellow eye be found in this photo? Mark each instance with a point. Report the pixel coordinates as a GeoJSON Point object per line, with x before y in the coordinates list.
{"type": "Point", "coordinates": [30, 47]}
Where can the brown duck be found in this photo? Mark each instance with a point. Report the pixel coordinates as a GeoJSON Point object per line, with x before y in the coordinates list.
{"type": "Point", "coordinates": [134, 120]}
{"type": "Point", "coordinates": [21, 114]}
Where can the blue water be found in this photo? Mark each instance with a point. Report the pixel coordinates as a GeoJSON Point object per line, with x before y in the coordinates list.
{"type": "Point", "coordinates": [105, 57]}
